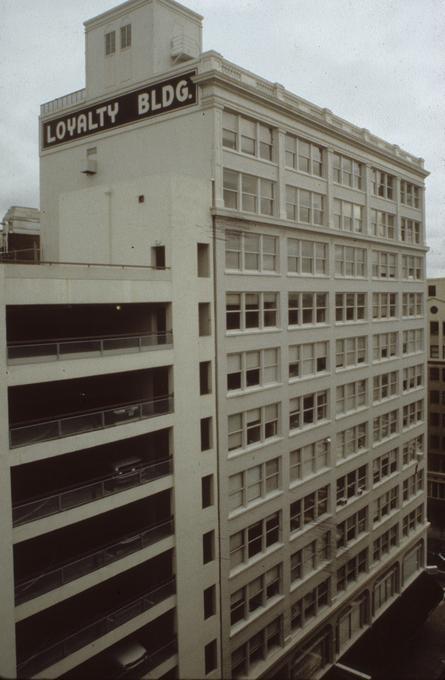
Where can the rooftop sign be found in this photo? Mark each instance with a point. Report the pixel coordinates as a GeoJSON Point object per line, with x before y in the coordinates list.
{"type": "Point", "coordinates": [151, 100]}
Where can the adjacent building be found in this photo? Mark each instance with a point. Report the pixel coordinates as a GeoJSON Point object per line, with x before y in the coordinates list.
{"type": "Point", "coordinates": [213, 417]}
{"type": "Point", "coordinates": [436, 426]}
{"type": "Point", "coordinates": [20, 235]}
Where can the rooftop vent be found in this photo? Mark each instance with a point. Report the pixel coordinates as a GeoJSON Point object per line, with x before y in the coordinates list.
{"type": "Point", "coordinates": [183, 48]}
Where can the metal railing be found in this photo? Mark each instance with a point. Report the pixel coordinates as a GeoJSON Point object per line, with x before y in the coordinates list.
{"type": "Point", "coordinates": [87, 493]}
{"type": "Point", "coordinates": [62, 349]}
{"type": "Point", "coordinates": [22, 256]}
{"type": "Point", "coordinates": [71, 571]}
{"type": "Point", "coordinates": [154, 659]}
{"type": "Point", "coordinates": [87, 421]}
{"type": "Point", "coordinates": [70, 644]}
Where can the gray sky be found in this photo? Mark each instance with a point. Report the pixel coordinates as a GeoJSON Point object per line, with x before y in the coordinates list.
{"type": "Point", "coordinates": [378, 63]}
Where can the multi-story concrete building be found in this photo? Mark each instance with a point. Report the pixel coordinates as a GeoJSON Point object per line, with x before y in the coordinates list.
{"type": "Point", "coordinates": [213, 423]}
{"type": "Point", "coordinates": [436, 426]}
{"type": "Point", "coordinates": [20, 235]}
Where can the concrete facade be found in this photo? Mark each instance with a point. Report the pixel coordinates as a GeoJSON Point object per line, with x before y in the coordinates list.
{"type": "Point", "coordinates": [270, 256]}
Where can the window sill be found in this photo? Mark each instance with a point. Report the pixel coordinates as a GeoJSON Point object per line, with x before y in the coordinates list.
{"type": "Point", "coordinates": [243, 154]}
{"type": "Point", "coordinates": [233, 514]}
{"type": "Point", "coordinates": [251, 272]}
{"type": "Point", "coordinates": [308, 275]}
{"type": "Point", "coordinates": [308, 528]}
{"type": "Point", "coordinates": [310, 376]}
{"type": "Point", "coordinates": [253, 331]}
{"type": "Point", "coordinates": [308, 426]}
{"type": "Point", "coordinates": [232, 394]}
{"type": "Point", "coordinates": [295, 585]}
{"type": "Point", "coordinates": [295, 483]}
{"type": "Point", "coordinates": [240, 625]}
{"type": "Point", "coordinates": [362, 192]}
{"type": "Point", "coordinates": [299, 326]}
{"type": "Point", "coordinates": [346, 414]}
{"type": "Point", "coordinates": [234, 571]}
{"type": "Point", "coordinates": [303, 173]}
{"type": "Point", "coordinates": [253, 447]}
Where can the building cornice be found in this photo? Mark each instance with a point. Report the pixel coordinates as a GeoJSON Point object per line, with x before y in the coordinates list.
{"type": "Point", "coordinates": [130, 5]}
{"type": "Point", "coordinates": [215, 69]}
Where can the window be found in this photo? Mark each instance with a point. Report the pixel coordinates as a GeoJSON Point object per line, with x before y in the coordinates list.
{"type": "Point", "coordinates": [384, 305]}
{"type": "Point", "coordinates": [255, 594]}
{"type": "Point", "coordinates": [158, 257]}
{"type": "Point", "coordinates": [385, 588]}
{"type": "Point", "coordinates": [207, 491]}
{"type": "Point", "coordinates": [210, 654]}
{"type": "Point", "coordinates": [351, 620]}
{"type": "Point", "coordinates": [309, 459]}
{"type": "Point", "coordinates": [351, 528]}
{"type": "Point", "coordinates": [412, 377]}
{"type": "Point", "coordinates": [382, 224]}
{"type": "Point", "coordinates": [350, 307]}
{"type": "Point", "coordinates": [254, 483]}
{"type": "Point", "coordinates": [248, 252]}
{"type": "Point", "coordinates": [412, 520]}
{"type": "Point", "coordinates": [352, 440]}
{"type": "Point", "coordinates": [351, 396]}
{"type": "Point", "coordinates": [351, 485]}
{"type": "Point", "coordinates": [434, 374]}
{"type": "Point", "coordinates": [204, 322]}
{"type": "Point", "coordinates": [254, 539]}
{"type": "Point", "coordinates": [125, 36]}
{"type": "Point", "coordinates": [110, 43]}
{"type": "Point", "coordinates": [410, 230]}
{"type": "Point", "coordinates": [206, 434]}
{"type": "Point", "coordinates": [205, 377]}
{"type": "Point", "coordinates": [412, 304]}
{"type": "Point", "coordinates": [305, 609]}
{"type": "Point", "coordinates": [384, 466]}
{"type": "Point", "coordinates": [305, 561]}
{"type": "Point", "coordinates": [307, 308]}
{"type": "Point", "coordinates": [208, 547]}
{"type": "Point", "coordinates": [409, 194]}
{"type": "Point", "coordinates": [350, 352]}
{"type": "Point", "coordinates": [248, 193]}
{"type": "Point", "coordinates": [431, 291]}
{"type": "Point", "coordinates": [307, 257]}
{"type": "Point", "coordinates": [412, 341]}
{"type": "Point", "coordinates": [412, 449]}
{"type": "Point", "coordinates": [385, 386]}
{"type": "Point", "coordinates": [412, 267]}
{"type": "Point", "coordinates": [350, 261]}
{"type": "Point", "coordinates": [252, 369]}
{"type": "Point", "coordinates": [385, 426]}
{"type": "Point", "coordinates": [384, 346]}
{"type": "Point", "coordinates": [351, 571]}
{"type": "Point", "coordinates": [434, 328]}
{"type": "Point", "coordinates": [436, 490]}
{"type": "Point", "coordinates": [347, 172]}
{"type": "Point", "coordinates": [246, 311]}
{"type": "Point", "coordinates": [203, 260]}
{"type": "Point", "coordinates": [304, 206]}
{"type": "Point", "coordinates": [309, 409]}
{"type": "Point", "coordinates": [248, 136]}
{"type": "Point", "coordinates": [252, 427]}
{"type": "Point", "coordinates": [385, 504]}
{"type": "Point", "coordinates": [412, 414]}
{"type": "Point", "coordinates": [209, 602]}
{"type": "Point", "coordinates": [348, 216]}
{"type": "Point", "coordinates": [304, 156]}
{"type": "Point", "coordinates": [308, 359]}
{"type": "Point", "coordinates": [256, 649]}
{"type": "Point", "coordinates": [309, 509]}
{"type": "Point", "coordinates": [412, 485]}
{"type": "Point", "coordinates": [382, 184]}
{"type": "Point", "coordinates": [383, 544]}
{"type": "Point", "coordinates": [384, 265]}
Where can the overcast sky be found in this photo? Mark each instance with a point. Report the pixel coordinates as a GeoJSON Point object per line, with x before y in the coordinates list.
{"type": "Point", "coordinates": [378, 63]}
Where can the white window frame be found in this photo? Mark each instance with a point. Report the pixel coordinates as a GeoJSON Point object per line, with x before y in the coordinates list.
{"type": "Point", "coordinates": [307, 207]}
{"type": "Point", "coordinates": [308, 460]}
{"type": "Point", "coordinates": [347, 216]}
{"type": "Point", "coordinates": [304, 156]}
{"type": "Point", "coordinates": [384, 346]}
{"type": "Point", "coordinates": [409, 194]}
{"type": "Point", "coordinates": [351, 352]}
{"type": "Point", "coordinates": [385, 426]}
{"type": "Point", "coordinates": [266, 309]}
{"type": "Point", "coordinates": [383, 224]}
{"type": "Point", "coordinates": [351, 485]}
{"type": "Point", "coordinates": [410, 231]}
{"type": "Point", "coordinates": [252, 428]}
{"type": "Point", "coordinates": [412, 305]}
{"type": "Point", "coordinates": [351, 397]}
{"type": "Point", "coordinates": [413, 378]}
{"type": "Point", "coordinates": [350, 262]}
{"type": "Point", "coordinates": [382, 184]}
{"type": "Point", "coordinates": [255, 483]}
{"type": "Point", "coordinates": [314, 406]}
{"type": "Point", "coordinates": [307, 258]}
{"type": "Point", "coordinates": [240, 249]}
{"type": "Point", "coordinates": [308, 359]}
{"type": "Point", "coordinates": [347, 171]}
{"type": "Point", "coordinates": [257, 368]}
{"type": "Point", "coordinates": [353, 440]}
{"type": "Point", "coordinates": [412, 267]}
{"type": "Point", "coordinates": [385, 386]}
{"type": "Point", "coordinates": [384, 306]}
{"type": "Point", "coordinates": [261, 136]}
{"type": "Point", "coordinates": [350, 308]}
{"type": "Point", "coordinates": [260, 194]}
{"type": "Point", "coordinates": [384, 265]}
{"type": "Point", "coordinates": [384, 466]}
{"type": "Point", "coordinates": [307, 308]}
